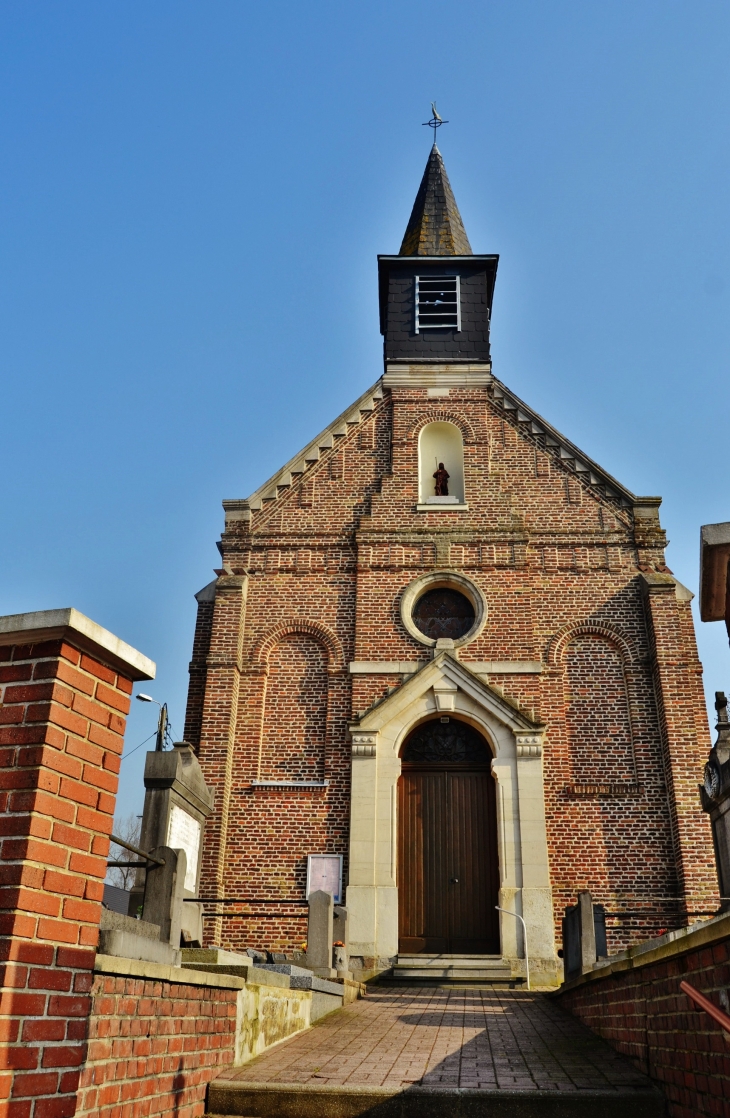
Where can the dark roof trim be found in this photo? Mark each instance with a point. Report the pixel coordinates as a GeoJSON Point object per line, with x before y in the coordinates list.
{"type": "Point", "coordinates": [445, 261]}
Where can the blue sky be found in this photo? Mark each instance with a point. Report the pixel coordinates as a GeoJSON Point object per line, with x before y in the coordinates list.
{"type": "Point", "coordinates": [193, 197]}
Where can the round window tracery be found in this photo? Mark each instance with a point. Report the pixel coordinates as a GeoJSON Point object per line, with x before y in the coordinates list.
{"type": "Point", "coordinates": [443, 612]}
{"type": "Point", "coordinates": [443, 605]}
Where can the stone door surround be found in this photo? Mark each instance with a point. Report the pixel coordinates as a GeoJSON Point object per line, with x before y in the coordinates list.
{"type": "Point", "coordinates": [449, 686]}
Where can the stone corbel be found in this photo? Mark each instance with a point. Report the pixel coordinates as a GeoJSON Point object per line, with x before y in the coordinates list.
{"type": "Point", "coordinates": [445, 695]}
{"type": "Point", "coordinates": [364, 742]}
{"type": "Point", "coordinates": [529, 745]}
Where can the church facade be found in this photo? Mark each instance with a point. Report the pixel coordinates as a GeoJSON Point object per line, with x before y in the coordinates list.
{"type": "Point", "coordinates": [444, 662]}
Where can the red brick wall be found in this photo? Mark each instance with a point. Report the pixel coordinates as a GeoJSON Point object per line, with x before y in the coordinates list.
{"type": "Point", "coordinates": [643, 1014]}
{"type": "Point", "coordinates": [295, 712]}
{"type": "Point", "coordinates": [62, 718]}
{"type": "Point", "coordinates": [597, 713]}
{"type": "Point", "coordinates": [560, 565]}
{"type": "Point", "coordinates": [198, 673]}
{"type": "Point", "coordinates": [678, 686]}
{"type": "Point", "coordinates": [154, 1046]}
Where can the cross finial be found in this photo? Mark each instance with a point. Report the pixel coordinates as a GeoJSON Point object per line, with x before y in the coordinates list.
{"type": "Point", "coordinates": [721, 706]}
{"type": "Point", "coordinates": [436, 120]}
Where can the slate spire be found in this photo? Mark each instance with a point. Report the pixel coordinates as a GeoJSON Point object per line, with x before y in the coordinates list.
{"type": "Point", "coordinates": [435, 227]}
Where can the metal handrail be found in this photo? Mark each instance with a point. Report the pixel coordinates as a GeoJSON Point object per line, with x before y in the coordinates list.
{"type": "Point", "coordinates": [135, 850]}
{"type": "Point", "coordinates": [516, 915]}
{"type": "Point", "coordinates": [699, 999]}
{"type": "Point", "coordinates": [246, 900]}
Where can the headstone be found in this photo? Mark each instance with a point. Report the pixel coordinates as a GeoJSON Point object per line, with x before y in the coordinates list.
{"type": "Point", "coordinates": [163, 893]}
{"type": "Point", "coordinates": [584, 935]}
{"type": "Point", "coordinates": [340, 926]}
{"type": "Point", "coordinates": [176, 805]}
{"type": "Point", "coordinates": [319, 934]}
{"type": "Point", "coordinates": [715, 798]}
{"type": "Point", "coordinates": [341, 941]}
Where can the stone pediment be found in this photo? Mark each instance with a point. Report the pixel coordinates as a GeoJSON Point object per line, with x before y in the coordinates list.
{"type": "Point", "coordinates": [444, 677]}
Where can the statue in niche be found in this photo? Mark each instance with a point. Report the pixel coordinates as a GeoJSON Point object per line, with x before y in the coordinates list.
{"type": "Point", "coordinates": [441, 477]}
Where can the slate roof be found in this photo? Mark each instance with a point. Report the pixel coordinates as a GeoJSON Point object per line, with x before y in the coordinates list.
{"type": "Point", "coordinates": [435, 227]}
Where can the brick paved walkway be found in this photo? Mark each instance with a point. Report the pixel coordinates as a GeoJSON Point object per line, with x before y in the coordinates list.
{"type": "Point", "coordinates": [446, 1038]}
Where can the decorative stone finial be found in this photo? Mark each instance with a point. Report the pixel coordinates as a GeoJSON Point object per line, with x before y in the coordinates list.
{"type": "Point", "coordinates": [721, 748]}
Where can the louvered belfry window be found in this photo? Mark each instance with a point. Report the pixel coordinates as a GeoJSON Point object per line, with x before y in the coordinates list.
{"type": "Point", "coordinates": [437, 303]}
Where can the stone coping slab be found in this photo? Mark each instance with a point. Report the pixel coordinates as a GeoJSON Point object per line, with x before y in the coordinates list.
{"type": "Point", "coordinates": [312, 982]}
{"type": "Point", "coordinates": [249, 975]}
{"type": "Point", "coordinates": [215, 956]}
{"type": "Point", "coordinates": [287, 968]}
{"type": "Point", "coordinates": [657, 950]}
{"type": "Point", "coordinates": [161, 972]}
{"type": "Point", "coordinates": [47, 624]}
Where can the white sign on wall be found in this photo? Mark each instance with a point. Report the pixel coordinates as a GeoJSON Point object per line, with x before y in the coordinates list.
{"type": "Point", "coordinates": [183, 833]}
{"type": "Point", "coordinates": [324, 872]}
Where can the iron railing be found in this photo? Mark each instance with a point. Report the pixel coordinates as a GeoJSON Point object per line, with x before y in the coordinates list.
{"type": "Point", "coordinates": [135, 850]}
{"type": "Point", "coordinates": [700, 1000]}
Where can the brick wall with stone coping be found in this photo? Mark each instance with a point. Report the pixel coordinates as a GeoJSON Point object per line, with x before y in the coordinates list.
{"type": "Point", "coordinates": [157, 1036]}
{"type": "Point", "coordinates": [635, 1003]}
{"type": "Point", "coordinates": [84, 1033]}
{"type": "Point", "coordinates": [65, 686]}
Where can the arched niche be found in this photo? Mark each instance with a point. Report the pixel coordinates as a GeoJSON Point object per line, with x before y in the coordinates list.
{"type": "Point", "coordinates": [440, 442]}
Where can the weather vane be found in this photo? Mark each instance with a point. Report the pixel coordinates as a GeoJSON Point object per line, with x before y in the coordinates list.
{"type": "Point", "coordinates": [435, 121]}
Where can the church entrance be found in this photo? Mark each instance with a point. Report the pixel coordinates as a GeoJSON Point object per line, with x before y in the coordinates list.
{"type": "Point", "coordinates": [448, 875]}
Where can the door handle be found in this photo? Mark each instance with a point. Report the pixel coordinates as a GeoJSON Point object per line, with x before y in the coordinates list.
{"type": "Point", "coordinates": [454, 880]}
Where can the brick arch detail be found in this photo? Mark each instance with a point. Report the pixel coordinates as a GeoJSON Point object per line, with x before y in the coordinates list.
{"type": "Point", "coordinates": [467, 431]}
{"type": "Point", "coordinates": [320, 632]}
{"type": "Point", "coordinates": [562, 638]}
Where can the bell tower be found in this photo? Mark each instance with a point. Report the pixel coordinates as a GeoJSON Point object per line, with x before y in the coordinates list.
{"type": "Point", "coordinates": [436, 294]}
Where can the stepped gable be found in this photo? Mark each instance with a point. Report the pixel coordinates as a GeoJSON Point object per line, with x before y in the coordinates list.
{"type": "Point", "coordinates": [537, 429]}
{"type": "Point", "coordinates": [530, 424]}
{"type": "Point", "coordinates": [435, 227]}
{"type": "Point", "coordinates": [297, 466]}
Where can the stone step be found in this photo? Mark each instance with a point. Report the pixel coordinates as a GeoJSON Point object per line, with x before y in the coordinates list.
{"type": "Point", "coordinates": [267, 1100]}
{"type": "Point", "coordinates": [451, 968]}
{"type": "Point", "coordinates": [440, 961]}
{"type": "Point", "coordinates": [450, 974]}
{"type": "Point", "coordinates": [445, 955]}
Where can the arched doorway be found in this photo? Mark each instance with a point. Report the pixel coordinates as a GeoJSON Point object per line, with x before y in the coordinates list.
{"type": "Point", "coordinates": [448, 875]}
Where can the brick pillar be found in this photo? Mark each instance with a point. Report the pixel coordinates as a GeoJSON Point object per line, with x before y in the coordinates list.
{"type": "Point", "coordinates": [218, 726]}
{"type": "Point", "coordinates": [65, 685]}
{"type": "Point", "coordinates": [685, 734]}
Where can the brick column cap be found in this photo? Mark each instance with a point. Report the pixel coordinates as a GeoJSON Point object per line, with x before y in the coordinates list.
{"type": "Point", "coordinates": [82, 632]}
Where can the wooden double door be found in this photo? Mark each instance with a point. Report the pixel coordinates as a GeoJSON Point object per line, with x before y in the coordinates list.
{"type": "Point", "coordinates": [448, 875]}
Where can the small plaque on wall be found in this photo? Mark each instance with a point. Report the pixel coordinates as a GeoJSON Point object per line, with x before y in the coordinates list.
{"type": "Point", "coordinates": [324, 873]}
{"type": "Point", "coordinates": [183, 833]}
